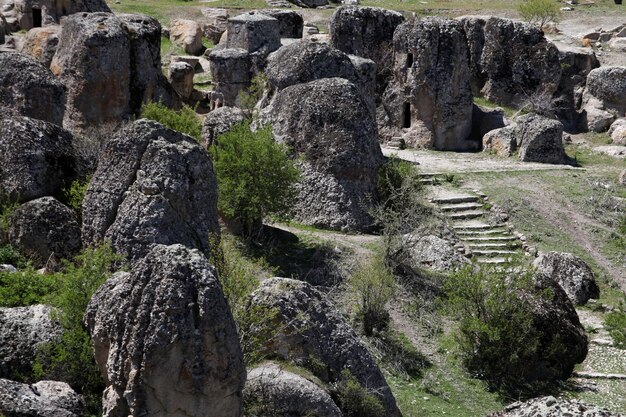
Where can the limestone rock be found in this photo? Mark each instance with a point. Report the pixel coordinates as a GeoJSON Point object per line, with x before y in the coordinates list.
{"type": "Point", "coordinates": [51, 12]}
{"type": "Point", "coordinates": [30, 88]}
{"type": "Point", "coordinates": [46, 230]}
{"type": "Point", "coordinates": [540, 139]}
{"type": "Point", "coordinates": [502, 142]}
{"type": "Point", "coordinates": [622, 178]}
{"type": "Point", "coordinates": [290, 23]}
{"type": "Point", "coordinates": [274, 392]}
{"type": "Point", "coordinates": [180, 77]}
{"type": "Point", "coordinates": [309, 3]}
{"type": "Point", "coordinates": [308, 328]}
{"type": "Point", "coordinates": [22, 331]}
{"type": "Point", "coordinates": [165, 339]}
{"type": "Point", "coordinates": [231, 73]}
{"type": "Point", "coordinates": [220, 121]}
{"type": "Point", "coordinates": [36, 158]}
{"type": "Point", "coordinates": [510, 61]}
{"type": "Point", "coordinates": [41, 44]}
{"type": "Point", "coordinates": [152, 186]}
{"type": "Point", "coordinates": [604, 98]}
{"type": "Point", "coordinates": [187, 34]}
{"type": "Point", "coordinates": [618, 132]}
{"type": "Point", "coordinates": [571, 273]}
{"type": "Point", "coordinates": [43, 399]}
{"type": "Point", "coordinates": [429, 101]}
{"type": "Point", "coordinates": [485, 120]}
{"type": "Point", "coordinates": [434, 253]}
{"type": "Point", "coordinates": [327, 122]}
{"type": "Point", "coordinates": [367, 32]}
{"type": "Point", "coordinates": [553, 407]}
{"type": "Point", "coordinates": [254, 32]}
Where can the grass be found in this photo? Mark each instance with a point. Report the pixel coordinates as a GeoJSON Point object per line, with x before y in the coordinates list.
{"type": "Point", "coordinates": [508, 111]}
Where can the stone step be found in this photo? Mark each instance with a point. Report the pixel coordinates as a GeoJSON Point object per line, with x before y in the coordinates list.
{"type": "Point", "coordinates": [461, 207]}
{"type": "Point", "coordinates": [597, 375]}
{"type": "Point", "coordinates": [495, 253]}
{"type": "Point", "coordinates": [476, 227]}
{"type": "Point", "coordinates": [487, 246]}
{"type": "Point", "coordinates": [469, 214]}
{"type": "Point", "coordinates": [487, 239]}
{"type": "Point", "coordinates": [456, 199]}
{"type": "Point", "coordinates": [491, 261]}
{"type": "Point", "coordinates": [486, 234]}
{"type": "Point", "coordinates": [427, 180]}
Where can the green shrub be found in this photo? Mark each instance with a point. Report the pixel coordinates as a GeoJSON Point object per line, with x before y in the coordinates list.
{"type": "Point", "coordinates": [249, 98]}
{"type": "Point", "coordinates": [539, 12]}
{"type": "Point", "coordinates": [74, 194]}
{"type": "Point", "coordinates": [354, 400]}
{"type": "Point", "coordinates": [184, 121]}
{"type": "Point", "coordinates": [615, 323]}
{"type": "Point", "coordinates": [255, 176]}
{"type": "Point", "coordinates": [10, 255]}
{"type": "Point", "coordinates": [397, 180]}
{"type": "Point", "coordinates": [26, 287]}
{"type": "Point", "coordinates": [372, 285]}
{"type": "Point", "coordinates": [7, 208]}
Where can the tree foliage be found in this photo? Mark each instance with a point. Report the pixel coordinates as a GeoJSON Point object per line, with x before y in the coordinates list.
{"type": "Point", "coordinates": [184, 120]}
{"type": "Point", "coordinates": [539, 12]}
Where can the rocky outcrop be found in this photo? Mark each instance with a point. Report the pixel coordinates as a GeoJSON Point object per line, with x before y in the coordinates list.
{"type": "Point", "coordinates": [510, 61]}
{"type": "Point", "coordinates": [46, 230]}
{"type": "Point", "coordinates": [152, 186]}
{"type": "Point", "coordinates": [30, 88]}
{"type": "Point", "coordinates": [540, 139]}
{"type": "Point", "coordinates": [429, 101]}
{"type": "Point", "coordinates": [253, 32]}
{"type": "Point", "coordinates": [187, 34]}
{"type": "Point", "coordinates": [231, 73]}
{"type": "Point", "coordinates": [43, 399]}
{"type": "Point", "coordinates": [501, 142]}
{"type": "Point", "coordinates": [290, 23]}
{"type": "Point", "coordinates": [180, 76]}
{"type": "Point", "coordinates": [571, 273]}
{"type": "Point", "coordinates": [275, 392]}
{"type": "Point", "coordinates": [22, 331]}
{"type": "Point", "coordinates": [484, 120]}
{"type": "Point", "coordinates": [50, 11]}
{"type": "Point", "coordinates": [367, 32]}
{"type": "Point", "coordinates": [36, 158]}
{"type": "Point", "coordinates": [165, 339]}
{"type": "Point", "coordinates": [553, 407]}
{"type": "Point", "coordinates": [604, 98]}
{"type": "Point", "coordinates": [41, 44]}
{"type": "Point", "coordinates": [618, 132]}
{"type": "Point", "coordinates": [309, 331]}
{"type": "Point", "coordinates": [432, 252]}
{"type": "Point", "coordinates": [327, 123]}
{"type": "Point", "coordinates": [220, 121]}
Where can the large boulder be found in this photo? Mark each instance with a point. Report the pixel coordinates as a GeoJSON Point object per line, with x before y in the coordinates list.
{"type": "Point", "coordinates": [188, 35]}
{"type": "Point", "coordinates": [485, 120]}
{"type": "Point", "coordinates": [231, 73]}
{"type": "Point", "coordinates": [327, 123]}
{"type": "Point", "coordinates": [23, 330]}
{"type": "Point", "coordinates": [290, 23]}
{"type": "Point", "coordinates": [275, 392]}
{"type": "Point", "coordinates": [43, 399]}
{"type": "Point", "coordinates": [36, 158]}
{"type": "Point", "coordinates": [29, 87]}
{"type": "Point", "coordinates": [180, 75]}
{"type": "Point", "coordinates": [367, 32]}
{"type": "Point", "coordinates": [540, 139]}
{"type": "Point", "coordinates": [429, 101]}
{"type": "Point", "coordinates": [571, 273]}
{"type": "Point", "coordinates": [434, 253]}
{"type": "Point", "coordinates": [220, 121]}
{"type": "Point", "coordinates": [307, 329]}
{"type": "Point", "coordinates": [49, 12]}
{"type": "Point", "coordinates": [604, 98]}
{"type": "Point", "coordinates": [46, 230]}
{"type": "Point", "coordinates": [553, 407]}
{"type": "Point", "coordinates": [510, 61]}
{"type": "Point", "coordinates": [152, 185]}
{"type": "Point", "coordinates": [501, 142]}
{"type": "Point", "coordinates": [618, 132]}
{"type": "Point", "coordinates": [254, 32]}
{"type": "Point", "coordinates": [41, 44]}
{"type": "Point", "coordinates": [165, 339]}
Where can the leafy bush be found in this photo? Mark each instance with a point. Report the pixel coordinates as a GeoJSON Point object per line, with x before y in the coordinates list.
{"type": "Point", "coordinates": [10, 255]}
{"type": "Point", "coordinates": [354, 400]}
{"type": "Point", "coordinates": [397, 181]}
{"type": "Point", "coordinates": [26, 287]}
{"type": "Point", "coordinates": [539, 12]}
{"type": "Point", "coordinates": [372, 286]}
{"type": "Point", "coordinates": [74, 194]}
{"type": "Point", "coordinates": [496, 337]}
{"type": "Point", "coordinates": [7, 208]}
{"type": "Point", "coordinates": [249, 98]}
{"type": "Point", "coordinates": [255, 176]}
{"type": "Point", "coordinates": [184, 120]}
{"type": "Point", "coordinates": [615, 323]}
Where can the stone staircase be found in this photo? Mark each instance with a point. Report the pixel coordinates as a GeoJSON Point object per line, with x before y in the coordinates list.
{"type": "Point", "coordinates": [483, 242]}
{"type": "Point", "coordinates": [282, 4]}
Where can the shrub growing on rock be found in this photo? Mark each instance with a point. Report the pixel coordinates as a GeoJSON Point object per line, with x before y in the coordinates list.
{"type": "Point", "coordinates": [255, 176]}
{"type": "Point", "coordinates": [184, 120]}
{"type": "Point", "coordinates": [354, 400]}
{"type": "Point", "coordinates": [539, 12]}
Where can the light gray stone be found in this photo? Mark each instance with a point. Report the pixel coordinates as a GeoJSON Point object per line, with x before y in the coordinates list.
{"type": "Point", "coordinates": [571, 273]}
{"type": "Point", "coordinates": [43, 399]}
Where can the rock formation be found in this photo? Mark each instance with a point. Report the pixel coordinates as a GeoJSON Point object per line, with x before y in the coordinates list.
{"type": "Point", "coordinates": [41, 44]}
{"type": "Point", "coordinates": [231, 73]}
{"type": "Point", "coordinates": [29, 87]}
{"type": "Point", "coordinates": [188, 35]}
{"type": "Point", "coordinates": [540, 139]}
{"type": "Point", "coordinates": [553, 407]}
{"type": "Point", "coordinates": [571, 273]}
{"type": "Point", "coordinates": [220, 121]}
{"type": "Point", "coordinates": [604, 98]}
{"type": "Point", "coordinates": [327, 123]}
{"type": "Point", "coordinates": [43, 399]}
{"type": "Point", "coordinates": [307, 328]}
{"type": "Point", "coordinates": [27, 14]}
{"type": "Point", "coordinates": [152, 185]}
{"type": "Point", "coordinates": [290, 23]}
{"type": "Point", "coordinates": [165, 339]}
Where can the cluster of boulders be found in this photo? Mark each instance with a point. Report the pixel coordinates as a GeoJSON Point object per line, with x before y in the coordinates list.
{"type": "Point", "coordinates": [553, 407]}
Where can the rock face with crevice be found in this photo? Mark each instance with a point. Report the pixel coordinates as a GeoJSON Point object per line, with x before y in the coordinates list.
{"type": "Point", "coordinates": [571, 273]}
{"type": "Point", "coordinates": [165, 340]}
{"type": "Point", "coordinates": [604, 98]}
{"type": "Point", "coordinates": [312, 332]}
{"type": "Point", "coordinates": [327, 123]}
{"type": "Point", "coordinates": [43, 399]}
{"type": "Point", "coordinates": [41, 44]}
{"type": "Point", "coordinates": [152, 186]}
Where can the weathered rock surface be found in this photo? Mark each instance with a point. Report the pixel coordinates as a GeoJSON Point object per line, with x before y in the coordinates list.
{"type": "Point", "coordinates": [553, 407]}
{"type": "Point", "coordinates": [327, 122]}
{"type": "Point", "coordinates": [622, 178]}
{"type": "Point", "coordinates": [307, 328]}
{"type": "Point", "coordinates": [51, 12]}
{"type": "Point", "coordinates": [429, 101]}
{"type": "Point", "coordinates": [254, 32]}
{"type": "Point", "coordinates": [290, 23]}
{"type": "Point", "coordinates": [309, 3]}
{"type": "Point", "coordinates": [43, 399]}
{"type": "Point", "coordinates": [604, 98]}
{"type": "Point", "coordinates": [231, 73]}
{"type": "Point", "coordinates": [501, 142]}
{"type": "Point", "coordinates": [187, 34]}
{"type": "Point", "coordinates": [220, 121]}
{"type": "Point", "coordinates": [46, 230]}
{"type": "Point", "coordinates": [275, 392]}
{"type": "Point", "coordinates": [367, 32]}
{"type": "Point", "coordinates": [22, 331]}
{"type": "Point", "coordinates": [485, 120]}
{"type": "Point", "coordinates": [540, 139]}
{"type": "Point", "coordinates": [434, 253]}
{"type": "Point", "coordinates": [180, 76]}
{"type": "Point", "coordinates": [510, 61]}
{"type": "Point", "coordinates": [152, 186]}
{"type": "Point", "coordinates": [29, 87]}
{"type": "Point", "coordinates": [571, 273]}
{"type": "Point", "coordinates": [36, 157]}
{"type": "Point", "coordinates": [618, 132]}
{"type": "Point", "coordinates": [165, 339]}
{"type": "Point", "coordinates": [41, 44]}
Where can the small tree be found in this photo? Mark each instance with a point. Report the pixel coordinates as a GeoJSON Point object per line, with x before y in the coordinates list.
{"type": "Point", "coordinates": [539, 12]}
{"type": "Point", "coordinates": [184, 120]}
{"type": "Point", "coordinates": [255, 176]}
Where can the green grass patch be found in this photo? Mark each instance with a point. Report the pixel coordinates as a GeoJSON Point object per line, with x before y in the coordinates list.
{"type": "Point", "coordinates": [508, 111]}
